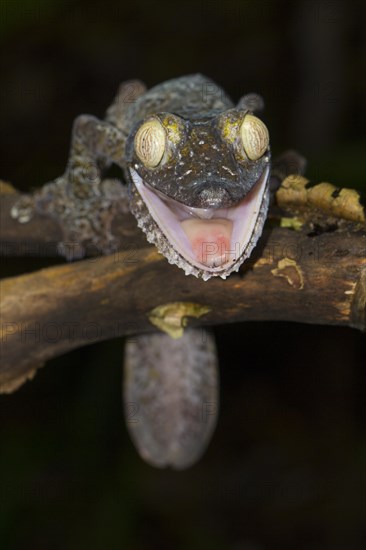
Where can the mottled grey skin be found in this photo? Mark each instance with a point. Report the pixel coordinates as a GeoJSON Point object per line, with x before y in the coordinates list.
{"type": "Point", "coordinates": [203, 171]}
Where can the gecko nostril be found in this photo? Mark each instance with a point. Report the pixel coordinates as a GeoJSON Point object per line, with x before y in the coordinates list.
{"type": "Point", "coordinates": [214, 197]}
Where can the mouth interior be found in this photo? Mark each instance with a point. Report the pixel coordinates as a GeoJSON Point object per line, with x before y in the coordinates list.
{"type": "Point", "coordinates": [212, 239]}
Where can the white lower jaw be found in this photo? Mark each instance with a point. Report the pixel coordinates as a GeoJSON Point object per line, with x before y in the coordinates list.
{"type": "Point", "coordinates": [243, 217]}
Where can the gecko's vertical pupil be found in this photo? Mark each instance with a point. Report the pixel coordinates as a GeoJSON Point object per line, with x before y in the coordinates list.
{"type": "Point", "coordinates": [150, 141]}
{"type": "Point", "coordinates": [255, 137]}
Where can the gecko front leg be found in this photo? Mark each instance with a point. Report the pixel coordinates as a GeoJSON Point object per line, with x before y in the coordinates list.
{"type": "Point", "coordinates": [83, 202]}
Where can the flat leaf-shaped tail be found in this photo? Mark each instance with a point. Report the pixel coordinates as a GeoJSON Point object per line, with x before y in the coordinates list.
{"type": "Point", "coordinates": [171, 396]}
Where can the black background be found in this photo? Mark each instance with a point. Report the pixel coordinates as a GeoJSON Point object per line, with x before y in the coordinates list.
{"type": "Point", "coordinates": [286, 467]}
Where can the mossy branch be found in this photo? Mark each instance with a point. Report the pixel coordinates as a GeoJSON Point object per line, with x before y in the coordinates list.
{"type": "Point", "coordinates": [310, 275]}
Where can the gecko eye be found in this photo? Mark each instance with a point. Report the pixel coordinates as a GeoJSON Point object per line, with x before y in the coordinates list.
{"type": "Point", "coordinates": [255, 137]}
{"type": "Point", "coordinates": [150, 142]}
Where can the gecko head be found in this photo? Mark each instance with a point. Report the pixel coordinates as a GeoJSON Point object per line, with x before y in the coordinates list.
{"type": "Point", "coordinates": [199, 187]}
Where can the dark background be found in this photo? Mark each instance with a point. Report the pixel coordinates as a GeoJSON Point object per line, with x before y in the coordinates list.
{"type": "Point", "coordinates": [286, 467]}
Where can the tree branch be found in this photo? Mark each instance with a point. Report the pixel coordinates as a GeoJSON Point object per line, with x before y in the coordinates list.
{"type": "Point", "coordinates": [291, 276]}
{"type": "Point", "coordinates": [316, 274]}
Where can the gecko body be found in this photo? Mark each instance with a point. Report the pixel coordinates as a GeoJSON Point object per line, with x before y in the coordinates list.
{"type": "Point", "coordinates": [197, 170]}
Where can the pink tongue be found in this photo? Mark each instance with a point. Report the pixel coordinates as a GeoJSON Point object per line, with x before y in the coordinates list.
{"type": "Point", "coordinates": [210, 239]}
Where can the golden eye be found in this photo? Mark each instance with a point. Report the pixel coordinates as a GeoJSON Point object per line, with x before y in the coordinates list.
{"type": "Point", "coordinates": [150, 142]}
{"type": "Point", "coordinates": [255, 137]}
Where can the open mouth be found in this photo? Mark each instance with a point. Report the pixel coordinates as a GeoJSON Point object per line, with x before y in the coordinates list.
{"type": "Point", "coordinates": [211, 239]}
